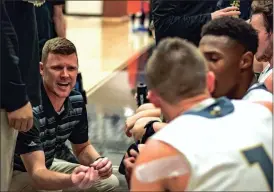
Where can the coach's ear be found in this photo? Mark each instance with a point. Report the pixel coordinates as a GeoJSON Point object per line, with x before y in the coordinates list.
{"type": "Point", "coordinates": [41, 68]}
{"type": "Point", "coordinates": [210, 80]}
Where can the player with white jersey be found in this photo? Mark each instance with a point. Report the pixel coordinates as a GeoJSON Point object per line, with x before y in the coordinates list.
{"type": "Point", "coordinates": [218, 152]}
{"type": "Point", "coordinates": [209, 144]}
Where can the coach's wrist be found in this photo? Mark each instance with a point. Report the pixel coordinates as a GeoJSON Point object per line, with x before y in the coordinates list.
{"type": "Point", "coordinates": [100, 157]}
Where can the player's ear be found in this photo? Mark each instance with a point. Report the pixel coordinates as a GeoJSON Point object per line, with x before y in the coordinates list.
{"type": "Point", "coordinates": [246, 60]}
{"type": "Point", "coordinates": [154, 98]}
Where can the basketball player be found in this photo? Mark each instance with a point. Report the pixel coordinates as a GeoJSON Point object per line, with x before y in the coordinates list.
{"type": "Point", "coordinates": [194, 151]}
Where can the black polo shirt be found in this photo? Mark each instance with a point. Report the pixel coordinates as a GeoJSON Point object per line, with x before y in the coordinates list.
{"type": "Point", "coordinates": [51, 130]}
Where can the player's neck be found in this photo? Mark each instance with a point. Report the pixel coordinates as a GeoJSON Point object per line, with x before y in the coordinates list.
{"type": "Point", "coordinates": [185, 105]}
{"type": "Point", "coordinates": [246, 81]}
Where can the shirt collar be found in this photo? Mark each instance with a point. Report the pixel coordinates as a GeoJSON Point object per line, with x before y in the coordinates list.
{"type": "Point", "coordinates": [47, 105]}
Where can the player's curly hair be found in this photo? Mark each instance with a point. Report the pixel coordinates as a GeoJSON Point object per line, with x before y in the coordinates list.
{"type": "Point", "coordinates": [234, 28]}
{"type": "Point", "coordinates": [264, 7]}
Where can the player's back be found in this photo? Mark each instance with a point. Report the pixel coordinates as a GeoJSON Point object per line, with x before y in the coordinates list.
{"type": "Point", "coordinates": [228, 153]}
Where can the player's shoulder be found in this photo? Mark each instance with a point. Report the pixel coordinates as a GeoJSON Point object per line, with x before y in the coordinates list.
{"type": "Point", "coordinates": [258, 92]}
{"type": "Point", "coordinates": [250, 108]}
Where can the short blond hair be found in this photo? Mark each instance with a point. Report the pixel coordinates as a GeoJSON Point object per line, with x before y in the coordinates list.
{"type": "Point", "coordinates": [176, 70]}
{"type": "Point", "coordinates": [58, 45]}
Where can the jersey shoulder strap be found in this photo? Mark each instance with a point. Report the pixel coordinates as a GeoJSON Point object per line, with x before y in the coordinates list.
{"type": "Point", "coordinates": [219, 108]}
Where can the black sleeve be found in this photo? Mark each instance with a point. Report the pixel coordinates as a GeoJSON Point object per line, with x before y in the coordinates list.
{"type": "Point", "coordinates": [79, 133]}
{"type": "Point", "coordinates": [29, 141]}
{"type": "Point", "coordinates": [57, 2]}
{"type": "Point", "coordinates": [168, 24]}
{"type": "Point", "coordinates": [221, 4]}
{"type": "Point", "coordinates": [13, 89]}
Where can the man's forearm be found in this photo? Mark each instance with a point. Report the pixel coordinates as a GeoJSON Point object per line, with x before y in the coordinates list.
{"type": "Point", "coordinates": [59, 21]}
{"type": "Point", "coordinates": [60, 26]}
{"type": "Point", "coordinates": [88, 155]}
{"type": "Point", "coordinates": [45, 179]}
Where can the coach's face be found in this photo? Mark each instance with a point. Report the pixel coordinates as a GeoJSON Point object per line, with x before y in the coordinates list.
{"type": "Point", "coordinates": [59, 74]}
{"type": "Point", "coordinates": [223, 57]}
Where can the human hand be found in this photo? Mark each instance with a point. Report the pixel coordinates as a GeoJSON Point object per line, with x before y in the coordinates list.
{"type": "Point", "coordinates": [228, 11]}
{"type": "Point", "coordinates": [145, 110]}
{"type": "Point", "coordinates": [130, 161]}
{"type": "Point", "coordinates": [21, 119]}
{"type": "Point", "coordinates": [83, 177]}
{"type": "Point", "coordinates": [103, 166]}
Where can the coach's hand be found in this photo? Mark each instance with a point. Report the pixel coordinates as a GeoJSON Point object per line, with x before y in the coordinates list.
{"type": "Point", "coordinates": [83, 177]}
{"type": "Point", "coordinates": [21, 119]}
{"type": "Point", "coordinates": [103, 166]}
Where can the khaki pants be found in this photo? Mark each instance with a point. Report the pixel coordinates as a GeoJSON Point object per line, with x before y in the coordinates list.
{"type": "Point", "coordinates": [8, 141]}
{"type": "Point", "coordinates": [21, 181]}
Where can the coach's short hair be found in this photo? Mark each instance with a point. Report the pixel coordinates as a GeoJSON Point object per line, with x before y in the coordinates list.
{"type": "Point", "coordinates": [58, 45]}
{"type": "Point", "coordinates": [176, 70]}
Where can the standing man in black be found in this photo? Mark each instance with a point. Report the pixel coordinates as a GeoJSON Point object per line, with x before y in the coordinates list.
{"type": "Point", "coordinates": [185, 18]}
{"type": "Point", "coordinates": [19, 78]}
{"type": "Point", "coordinates": [23, 18]}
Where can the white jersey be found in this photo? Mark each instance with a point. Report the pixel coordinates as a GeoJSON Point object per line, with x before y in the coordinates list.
{"type": "Point", "coordinates": [229, 153]}
{"type": "Point", "coordinates": [265, 73]}
{"type": "Point", "coordinates": [258, 92]}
